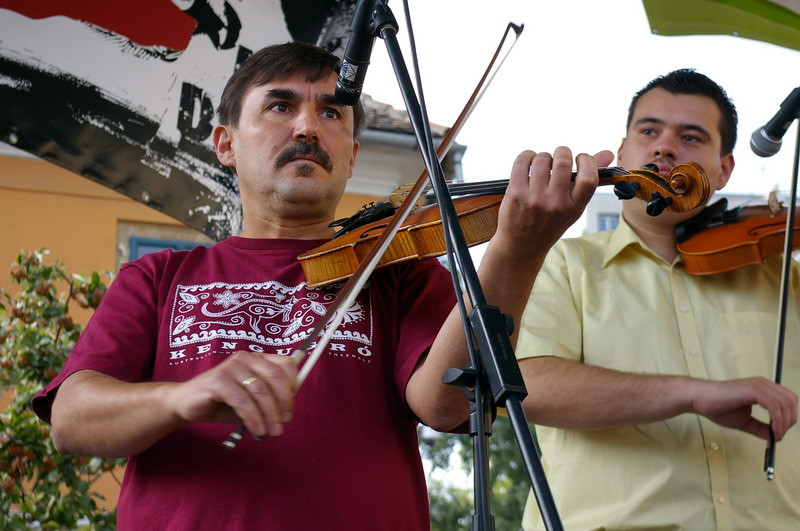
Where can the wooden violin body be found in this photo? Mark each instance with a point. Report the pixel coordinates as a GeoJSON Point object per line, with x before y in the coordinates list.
{"type": "Point", "coordinates": [419, 237]}
{"type": "Point", "coordinates": [750, 235]}
{"type": "Point", "coordinates": [477, 206]}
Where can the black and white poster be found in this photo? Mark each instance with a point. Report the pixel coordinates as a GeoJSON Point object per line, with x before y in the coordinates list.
{"type": "Point", "coordinates": [124, 92]}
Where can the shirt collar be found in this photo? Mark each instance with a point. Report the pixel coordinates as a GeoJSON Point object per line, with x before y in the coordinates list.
{"type": "Point", "coordinates": [623, 237]}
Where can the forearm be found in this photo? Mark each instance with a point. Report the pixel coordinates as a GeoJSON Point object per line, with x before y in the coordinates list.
{"type": "Point", "coordinates": [507, 279]}
{"type": "Point", "coordinates": [95, 414]}
{"type": "Point", "coordinates": [505, 284]}
{"type": "Point", "coordinates": [575, 396]}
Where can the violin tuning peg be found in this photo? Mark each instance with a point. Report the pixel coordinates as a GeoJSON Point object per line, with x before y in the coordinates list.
{"type": "Point", "coordinates": [626, 189]}
{"type": "Point", "coordinates": [657, 204]}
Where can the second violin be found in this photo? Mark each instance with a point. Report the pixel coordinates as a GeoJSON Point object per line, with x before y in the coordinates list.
{"type": "Point", "coordinates": [720, 240]}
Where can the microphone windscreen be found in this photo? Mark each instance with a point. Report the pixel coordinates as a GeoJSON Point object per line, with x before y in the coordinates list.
{"type": "Point", "coordinates": [762, 145]}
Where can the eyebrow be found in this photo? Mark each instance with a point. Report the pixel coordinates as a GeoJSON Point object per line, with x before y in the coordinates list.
{"type": "Point", "coordinates": [281, 94]}
{"type": "Point", "coordinates": [292, 95]}
{"type": "Point", "coordinates": [685, 127]}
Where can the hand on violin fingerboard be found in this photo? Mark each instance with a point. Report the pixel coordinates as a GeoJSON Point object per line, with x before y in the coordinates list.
{"type": "Point", "coordinates": [543, 200]}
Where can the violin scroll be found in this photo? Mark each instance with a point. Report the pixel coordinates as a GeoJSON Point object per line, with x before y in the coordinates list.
{"type": "Point", "coordinates": [683, 175]}
{"type": "Point", "coordinates": [685, 189]}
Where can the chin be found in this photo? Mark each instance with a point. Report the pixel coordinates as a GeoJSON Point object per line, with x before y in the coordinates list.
{"type": "Point", "coordinates": [305, 169]}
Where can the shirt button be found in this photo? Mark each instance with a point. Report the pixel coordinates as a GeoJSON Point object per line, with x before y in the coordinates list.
{"type": "Point", "coordinates": [693, 352]}
{"type": "Point", "coordinates": [723, 499]}
{"type": "Point", "coordinates": [684, 309]}
{"type": "Point", "coordinates": [715, 446]}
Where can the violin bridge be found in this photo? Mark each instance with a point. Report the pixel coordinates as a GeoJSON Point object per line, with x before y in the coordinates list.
{"type": "Point", "coordinates": [773, 203]}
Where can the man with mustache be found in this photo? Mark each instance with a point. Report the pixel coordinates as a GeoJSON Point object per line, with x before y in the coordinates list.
{"type": "Point", "coordinates": [187, 345]}
{"type": "Point", "coordinates": [651, 387]}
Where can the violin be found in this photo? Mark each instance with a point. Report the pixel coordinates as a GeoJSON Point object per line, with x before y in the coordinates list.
{"type": "Point", "coordinates": [719, 240]}
{"type": "Point", "coordinates": [477, 206]}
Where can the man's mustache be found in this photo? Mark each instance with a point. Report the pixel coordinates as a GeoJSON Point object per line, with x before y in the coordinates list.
{"type": "Point", "coordinates": [307, 149]}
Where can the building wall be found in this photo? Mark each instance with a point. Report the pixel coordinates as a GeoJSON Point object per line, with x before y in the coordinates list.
{"type": "Point", "coordinates": [82, 223]}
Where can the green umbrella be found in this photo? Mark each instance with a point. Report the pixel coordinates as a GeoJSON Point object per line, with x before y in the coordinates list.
{"type": "Point", "coordinates": [773, 21]}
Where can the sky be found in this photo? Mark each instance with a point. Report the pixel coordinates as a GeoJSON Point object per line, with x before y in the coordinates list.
{"type": "Point", "coordinates": [570, 78]}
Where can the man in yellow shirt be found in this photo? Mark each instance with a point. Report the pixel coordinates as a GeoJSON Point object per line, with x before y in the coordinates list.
{"type": "Point", "coordinates": [652, 389]}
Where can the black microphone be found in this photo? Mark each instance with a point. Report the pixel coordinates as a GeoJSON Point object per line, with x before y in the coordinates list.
{"type": "Point", "coordinates": [766, 141]}
{"type": "Point", "coordinates": [356, 55]}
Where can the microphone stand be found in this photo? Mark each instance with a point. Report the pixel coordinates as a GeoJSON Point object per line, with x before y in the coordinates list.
{"type": "Point", "coordinates": [494, 369]}
{"type": "Point", "coordinates": [769, 457]}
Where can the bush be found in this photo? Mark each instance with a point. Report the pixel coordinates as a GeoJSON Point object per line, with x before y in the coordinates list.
{"type": "Point", "coordinates": [39, 486]}
{"type": "Point", "coordinates": [452, 499]}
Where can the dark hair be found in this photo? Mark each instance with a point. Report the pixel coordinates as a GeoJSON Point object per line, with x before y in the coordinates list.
{"type": "Point", "coordinates": [687, 81]}
{"type": "Point", "coordinates": [276, 63]}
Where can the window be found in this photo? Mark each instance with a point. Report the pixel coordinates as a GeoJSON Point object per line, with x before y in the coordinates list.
{"type": "Point", "coordinates": [607, 221]}
{"type": "Point", "coordinates": [142, 246]}
{"type": "Point", "coordinates": [136, 239]}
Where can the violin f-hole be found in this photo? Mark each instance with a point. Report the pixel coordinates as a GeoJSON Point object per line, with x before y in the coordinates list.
{"type": "Point", "coordinates": [378, 228]}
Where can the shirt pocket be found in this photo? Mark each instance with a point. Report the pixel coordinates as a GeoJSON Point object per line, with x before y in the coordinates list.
{"type": "Point", "coordinates": [750, 339]}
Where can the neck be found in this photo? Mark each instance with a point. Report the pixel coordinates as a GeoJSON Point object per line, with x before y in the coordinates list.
{"type": "Point", "coordinates": [301, 230]}
{"type": "Point", "coordinates": [658, 233]}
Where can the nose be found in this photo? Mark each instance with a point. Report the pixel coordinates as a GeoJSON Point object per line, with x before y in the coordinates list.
{"type": "Point", "coordinates": [665, 146]}
{"type": "Point", "coordinates": [307, 126]}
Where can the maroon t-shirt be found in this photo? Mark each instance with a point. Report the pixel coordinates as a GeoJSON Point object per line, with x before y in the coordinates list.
{"type": "Point", "coordinates": [348, 459]}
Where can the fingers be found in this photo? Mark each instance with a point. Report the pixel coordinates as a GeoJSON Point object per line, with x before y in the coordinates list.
{"type": "Point", "coordinates": [256, 389]}
{"type": "Point", "coordinates": [757, 428]}
{"type": "Point", "coordinates": [603, 158]}
{"type": "Point", "coordinates": [586, 179]}
{"type": "Point", "coordinates": [268, 399]}
{"type": "Point", "coordinates": [533, 172]}
{"type": "Point", "coordinates": [521, 169]}
{"type": "Point", "coordinates": [781, 403]}
{"type": "Point", "coordinates": [542, 201]}
{"type": "Point", "coordinates": [730, 404]}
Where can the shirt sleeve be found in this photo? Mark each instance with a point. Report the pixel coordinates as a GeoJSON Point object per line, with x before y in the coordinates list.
{"type": "Point", "coordinates": [425, 299]}
{"type": "Point", "coordinates": [119, 339]}
{"type": "Point", "coordinates": [551, 323]}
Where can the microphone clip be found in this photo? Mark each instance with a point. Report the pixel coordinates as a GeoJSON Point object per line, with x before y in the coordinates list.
{"type": "Point", "coordinates": [370, 18]}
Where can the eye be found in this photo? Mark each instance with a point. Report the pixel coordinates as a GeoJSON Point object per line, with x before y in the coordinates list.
{"type": "Point", "coordinates": [279, 107]}
{"type": "Point", "coordinates": [331, 113]}
{"type": "Point", "coordinates": [692, 138]}
{"type": "Point", "coordinates": [648, 131]}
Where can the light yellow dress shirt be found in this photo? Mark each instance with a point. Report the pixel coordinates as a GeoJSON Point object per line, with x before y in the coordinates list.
{"type": "Point", "coordinates": [607, 300]}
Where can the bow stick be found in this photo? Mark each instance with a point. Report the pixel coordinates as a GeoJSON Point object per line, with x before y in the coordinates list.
{"type": "Point", "coordinates": [348, 293]}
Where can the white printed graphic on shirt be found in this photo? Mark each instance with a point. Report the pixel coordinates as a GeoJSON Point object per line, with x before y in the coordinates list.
{"type": "Point", "coordinates": [263, 313]}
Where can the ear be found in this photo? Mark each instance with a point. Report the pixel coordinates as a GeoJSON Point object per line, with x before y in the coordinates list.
{"type": "Point", "coordinates": [619, 151]}
{"type": "Point", "coordinates": [725, 169]}
{"type": "Point", "coordinates": [223, 145]}
{"type": "Point", "coordinates": [356, 145]}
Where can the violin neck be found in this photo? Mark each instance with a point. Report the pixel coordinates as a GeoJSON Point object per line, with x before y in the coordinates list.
{"type": "Point", "coordinates": [499, 186]}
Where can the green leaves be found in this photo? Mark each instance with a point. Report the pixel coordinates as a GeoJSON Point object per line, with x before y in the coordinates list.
{"type": "Point", "coordinates": [37, 484]}
{"type": "Point", "coordinates": [450, 481]}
